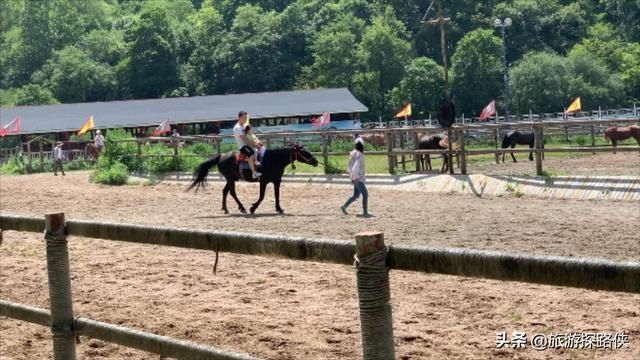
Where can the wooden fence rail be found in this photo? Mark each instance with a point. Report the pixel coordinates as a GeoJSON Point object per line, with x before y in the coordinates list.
{"type": "Point", "coordinates": [407, 140]}
{"type": "Point", "coordinates": [372, 256]}
{"type": "Point", "coordinates": [140, 340]}
{"type": "Point", "coordinates": [552, 270]}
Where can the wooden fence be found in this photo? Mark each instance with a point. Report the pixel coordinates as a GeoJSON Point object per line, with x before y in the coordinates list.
{"type": "Point", "coordinates": [373, 260]}
{"type": "Point", "coordinates": [401, 144]}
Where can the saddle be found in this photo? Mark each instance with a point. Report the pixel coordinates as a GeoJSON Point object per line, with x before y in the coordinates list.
{"type": "Point", "coordinates": [244, 170]}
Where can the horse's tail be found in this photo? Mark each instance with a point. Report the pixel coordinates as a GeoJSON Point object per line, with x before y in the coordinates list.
{"type": "Point", "coordinates": [200, 175]}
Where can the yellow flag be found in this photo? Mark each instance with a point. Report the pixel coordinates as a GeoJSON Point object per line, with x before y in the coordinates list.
{"type": "Point", "coordinates": [88, 125]}
{"type": "Point", "coordinates": [404, 112]}
{"type": "Point", "coordinates": [575, 106]}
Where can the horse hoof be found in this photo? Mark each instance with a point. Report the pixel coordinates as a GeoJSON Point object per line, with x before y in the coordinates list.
{"type": "Point", "coordinates": [280, 211]}
{"type": "Point", "coordinates": [253, 210]}
{"type": "Point", "coordinates": [226, 212]}
{"type": "Point", "coordinates": [243, 211]}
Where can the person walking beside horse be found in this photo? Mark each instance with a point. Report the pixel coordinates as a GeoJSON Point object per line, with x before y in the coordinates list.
{"type": "Point", "coordinates": [356, 173]}
{"type": "Point", "coordinates": [58, 157]}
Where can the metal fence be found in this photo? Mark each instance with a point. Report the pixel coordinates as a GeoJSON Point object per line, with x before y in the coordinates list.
{"type": "Point", "coordinates": [373, 260]}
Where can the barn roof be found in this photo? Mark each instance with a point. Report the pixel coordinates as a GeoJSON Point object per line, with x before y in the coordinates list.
{"type": "Point", "coordinates": [184, 110]}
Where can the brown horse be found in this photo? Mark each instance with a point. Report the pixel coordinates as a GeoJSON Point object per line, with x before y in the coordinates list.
{"type": "Point", "coordinates": [436, 142]}
{"type": "Point", "coordinates": [616, 134]}
{"type": "Point", "coordinates": [91, 152]}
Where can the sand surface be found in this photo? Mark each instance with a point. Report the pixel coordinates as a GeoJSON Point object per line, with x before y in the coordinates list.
{"type": "Point", "coordinates": [281, 309]}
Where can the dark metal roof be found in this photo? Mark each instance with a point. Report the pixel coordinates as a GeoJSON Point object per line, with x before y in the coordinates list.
{"type": "Point", "coordinates": [185, 110]}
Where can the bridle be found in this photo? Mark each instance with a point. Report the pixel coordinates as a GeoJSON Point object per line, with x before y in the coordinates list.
{"type": "Point", "coordinates": [294, 154]}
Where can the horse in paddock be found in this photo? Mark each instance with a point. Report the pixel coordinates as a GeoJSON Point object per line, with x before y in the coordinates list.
{"type": "Point", "coordinates": [434, 142]}
{"type": "Point", "coordinates": [91, 152]}
{"type": "Point", "coordinates": [616, 134]}
{"type": "Point", "coordinates": [233, 169]}
{"type": "Point", "coordinates": [514, 138]}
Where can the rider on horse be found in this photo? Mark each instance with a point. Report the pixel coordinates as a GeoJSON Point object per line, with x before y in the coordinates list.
{"type": "Point", "coordinates": [246, 145]}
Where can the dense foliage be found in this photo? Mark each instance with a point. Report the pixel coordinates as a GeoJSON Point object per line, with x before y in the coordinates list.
{"type": "Point", "coordinates": [99, 50]}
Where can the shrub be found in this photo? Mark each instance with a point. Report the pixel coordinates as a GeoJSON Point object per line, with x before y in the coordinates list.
{"type": "Point", "coordinates": [116, 174]}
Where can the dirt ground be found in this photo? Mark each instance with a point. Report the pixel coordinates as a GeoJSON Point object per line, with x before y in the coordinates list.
{"type": "Point", "coordinates": [622, 163]}
{"type": "Point", "coordinates": [281, 309]}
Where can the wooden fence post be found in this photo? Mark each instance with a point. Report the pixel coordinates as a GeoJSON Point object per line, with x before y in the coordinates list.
{"type": "Point", "coordinates": [376, 323]}
{"type": "Point", "coordinates": [497, 138]}
{"type": "Point", "coordinates": [403, 158]}
{"type": "Point", "coordinates": [139, 153]}
{"type": "Point", "coordinates": [389, 140]}
{"type": "Point", "coordinates": [450, 154]}
{"type": "Point", "coordinates": [41, 148]}
{"type": "Point", "coordinates": [463, 156]}
{"type": "Point", "coordinates": [218, 145]}
{"type": "Point", "coordinates": [593, 137]}
{"type": "Point", "coordinates": [538, 145]}
{"type": "Point", "coordinates": [64, 345]}
{"type": "Point", "coordinates": [416, 157]}
{"type": "Point", "coordinates": [325, 152]}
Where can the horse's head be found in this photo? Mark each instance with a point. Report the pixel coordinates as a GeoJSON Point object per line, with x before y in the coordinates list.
{"type": "Point", "coordinates": [299, 153]}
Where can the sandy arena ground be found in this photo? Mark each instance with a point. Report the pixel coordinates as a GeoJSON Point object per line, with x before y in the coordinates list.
{"type": "Point", "coordinates": [281, 309]}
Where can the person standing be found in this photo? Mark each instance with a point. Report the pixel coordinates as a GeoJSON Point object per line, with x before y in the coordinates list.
{"type": "Point", "coordinates": [58, 157]}
{"type": "Point", "coordinates": [245, 145]}
{"type": "Point", "coordinates": [356, 173]}
{"type": "Point", "coordinates": [98, 141]}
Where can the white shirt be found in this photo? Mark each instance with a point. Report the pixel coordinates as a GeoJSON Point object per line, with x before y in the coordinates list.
{"type": "Point", "coordinates": [238, 131]}
{"type": "Point", "coordinates": [57, 153]}
{"type": "Point", "coordinates": [356, 165]}
{"type": "Point", "coordinates": [99, 140]}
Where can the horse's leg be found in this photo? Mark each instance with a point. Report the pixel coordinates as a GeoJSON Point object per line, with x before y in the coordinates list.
{"type": "Point", "coordinates": [514, 158]}
{"type": "Point", "coordinates": [429, 162]}
{"type": "Point", "coordinates": [263, 187]}
{"type": "Point", "coordinates": [614, 143]}
{"type": "Point", "coordinates": [276, 190]}
{"type": "Point", "coordinates": [232, 188]}
{"type": "Point", "coordinates": [445, 164]}
{"type": "Point", "coordinates": [225, 192]}
{"type": "Point", "coordinates": [531, 153]}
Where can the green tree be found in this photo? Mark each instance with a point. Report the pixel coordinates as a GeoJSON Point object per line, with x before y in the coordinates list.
{"type": "Point", "coordinates": [591, 80]}
{"type": "Point", "coordinates": [422, 86]}
{"type": "Point", "coordinates": [539, 83]}
{"type": "Point", "coordinates": [104, 46]}
{"type": "Point", "coordinates": [478, 71]}
{"type": "Point", "coordinates": [383, 53]}
{"type": "Point", "coordinates": [74, 77]}
{"type": "Point", "coordinates": [152, 65]}
{"type": "Point", "coordinates": [31, 95]}
{"type": "Point", "coordinates": [257, 62]}
{"type": "Point", "coordinates": [207, 69]}
{"type": "Point", "coordinates": [334, 59]}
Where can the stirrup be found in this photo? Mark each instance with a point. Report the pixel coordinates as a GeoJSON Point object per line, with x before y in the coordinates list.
{"type": "Point", "coordinates": [256, 175]}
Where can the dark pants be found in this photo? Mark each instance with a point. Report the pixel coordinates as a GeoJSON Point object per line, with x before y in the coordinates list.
{"type": "Point", "coordinates": [359, 188]}
{"type": "Point", "coordinates": [57, 164]}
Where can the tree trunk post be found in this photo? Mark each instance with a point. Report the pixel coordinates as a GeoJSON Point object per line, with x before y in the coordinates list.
{"type": "Point", "coordinates": [64, 345]}
{"type": "Point", "coordinates": [41, 155]}
{"type": "Point", "coordinates": [376, 323]}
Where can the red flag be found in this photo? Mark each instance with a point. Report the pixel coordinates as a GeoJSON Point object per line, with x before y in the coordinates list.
{"type": "Point", "coordinates": [165, 127]}
{"type": "Point", "coordinates": [322, 121]}
{"type": "Point", "coordinates": [11, 128]}
{"type": "Point", "coordinates": [488, 111]}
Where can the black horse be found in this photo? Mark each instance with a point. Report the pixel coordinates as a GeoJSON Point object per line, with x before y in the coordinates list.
{"type": "Point", "coordinates": [273, 165]}
{"type": "Point", "coordinates": [517, 138]}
